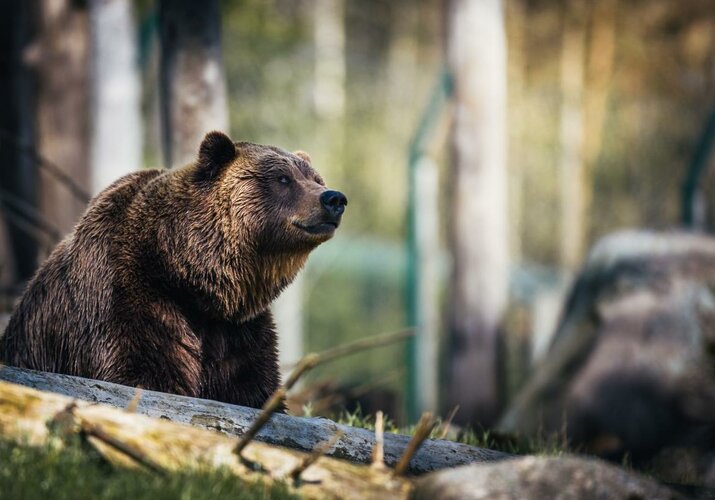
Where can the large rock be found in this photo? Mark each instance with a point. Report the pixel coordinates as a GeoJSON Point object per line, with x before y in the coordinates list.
{"type": "Point", "coordinates": [539, 478]}
{"type": "Point", "coordinates": [631, 368]}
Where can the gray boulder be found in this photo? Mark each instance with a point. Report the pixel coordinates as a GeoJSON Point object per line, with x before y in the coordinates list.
{"type": "Point", "coordinates": [537, 478]}
{"type": "Point", "coordinates": [631, 369]}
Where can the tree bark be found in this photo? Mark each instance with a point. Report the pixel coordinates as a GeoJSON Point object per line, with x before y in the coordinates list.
{"type": "Point", "coordinates": [572, 166]}
{"type": "Point", "coordinates": [116, 99]}
{"type": "Point", "coordinates": [329, 35]}
{"type": "Point", "coordinates": [61, 53]}
{"type": "Point", "coordinates": [282, 430]}
{"type": "Point", "coordinates": [130, 440]}
{"type": "Point", "coordinates": [476, 51]}
{"type": "Point", "coordinates": [599, 76]}
{"type": "Point", "coordinates": [191, 77]}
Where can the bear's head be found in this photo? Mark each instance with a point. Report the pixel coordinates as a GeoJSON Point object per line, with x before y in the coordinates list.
{"type": "Point", "coordinates": [254, 213]}
{"type": "Point", "coordinates": [273, 198]}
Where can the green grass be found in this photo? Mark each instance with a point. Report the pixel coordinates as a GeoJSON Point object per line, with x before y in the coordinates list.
{"type": "Point", "coordinates": [76, 472]}
{"type": "Point", "coordinates": [540, 444]}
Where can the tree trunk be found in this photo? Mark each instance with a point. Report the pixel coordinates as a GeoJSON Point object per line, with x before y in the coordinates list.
{"type": "Point", "coordinates": [329, 35]}
{"type": "Point", "coordinates": [519, 159]}
{"type": "Point", "coordinates": [476, 51]}
{"type": "Point", "coordinates": [282, 430]}
{"type": "Point", "coordinates": [116, 100]}
{"type": "Point", "coordinates": [18, 175]}
{"type": "Point", "coordinates": [62, 53]}
{"type": "Point", "coordinates": [329, 84]}
{"type": "Point", "coordinates": [599, 75]}
{"type": "Point", "coordinates": [572, 168]}
{"type": "Point", "coordinates": [192, 80]}
{"type": "Point", "coordinates": [129, 440]}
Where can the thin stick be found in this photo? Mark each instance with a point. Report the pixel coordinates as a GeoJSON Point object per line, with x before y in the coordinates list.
{"type": "Point", "coordinates": [378, 451]}
{"type": "Point", "coordinates": [137, 455]}
{"type": "Point", "coordinates": [269, 408]}
{"type": "Point", "coordinates": [68, 417]}
{"type": "Point", "coordinates": [306, 364]}
{"type": "Point", "coordinates": [448, 422]}
{"type": "Point", "coordinates": [134, 403]}
{"type": "Point", "coordinates": [320, 450]}
{"type": "Point", "coordinates": [352, 348]}
{"type": "Point", "coordinates": [422, 432]}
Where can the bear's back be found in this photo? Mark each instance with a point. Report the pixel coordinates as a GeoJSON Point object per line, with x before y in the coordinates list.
{"type": "Point", "coordinates": [67, 301]}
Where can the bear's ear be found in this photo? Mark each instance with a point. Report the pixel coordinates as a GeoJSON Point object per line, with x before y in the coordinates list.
{"type": "Point", "coordinates": [216, 151]}
{"type": "Point", "coordinates": [303, 156]}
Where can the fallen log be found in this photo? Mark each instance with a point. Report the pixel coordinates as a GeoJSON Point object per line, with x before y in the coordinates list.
{"type": "Point", "coordinates": [35, 418]}
{"type": "Point", "coordinates": [283, 430]}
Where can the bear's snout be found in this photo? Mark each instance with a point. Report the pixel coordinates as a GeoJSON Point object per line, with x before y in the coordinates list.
{"type": "Point", "coordinates": [333, 202]}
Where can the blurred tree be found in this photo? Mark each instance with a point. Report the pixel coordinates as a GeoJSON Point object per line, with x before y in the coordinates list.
{"type": "Point", "coordinates": [329, 37]}
{"type": "Point", "coordinates": [18, 248]}
{"type": "Point", "coordinates": [571, 163]}
{"type": "Point", "coordinates": [476, 53]}
{"type": "Point", "coordinates": [192, 80]}
{"type": "Point", "coordinates": [115, 91]}
{"type": "Point", "coordinates": [517, 27]}
{"type": "Point", "coordinates": [61, 55]}
{"type": "Point", "coordinates": [599, 76]}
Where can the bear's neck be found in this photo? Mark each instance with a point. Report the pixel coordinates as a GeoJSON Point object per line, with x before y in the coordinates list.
{"type": "Point", "coordinates": [263, 278]}
{"type": "Point", "coordinates": [210, 269]}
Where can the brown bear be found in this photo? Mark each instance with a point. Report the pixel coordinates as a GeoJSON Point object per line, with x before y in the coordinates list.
{"type": "Point", "coordinates": [167, 280]}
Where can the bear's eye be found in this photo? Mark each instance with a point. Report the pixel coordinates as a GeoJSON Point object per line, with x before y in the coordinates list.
{"type": "Point", "coordinates": [284, 179]}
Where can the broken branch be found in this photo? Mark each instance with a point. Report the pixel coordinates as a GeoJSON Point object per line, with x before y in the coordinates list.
{"type": "Point", "coordinates": [422, 431]}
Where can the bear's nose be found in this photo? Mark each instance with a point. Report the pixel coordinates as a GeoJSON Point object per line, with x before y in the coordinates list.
{"type": "Point", "coordinates": [334, 202]}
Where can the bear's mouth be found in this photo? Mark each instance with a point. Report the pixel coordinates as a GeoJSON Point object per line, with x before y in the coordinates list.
{"type": "Point", "coordinates": [317, 229]}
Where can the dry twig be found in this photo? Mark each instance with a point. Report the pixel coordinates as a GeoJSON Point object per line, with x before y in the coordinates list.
{"type": "Point", "coordinates": [320, 450]}
{"type": "Point", "coordinates": [135, 454]}
{"type": "Point", "coordinates": [67, 419]}
{"type": "Point", "coordinates": [447, 423]}
{"type": "Point", "coordinates": [422, 432]}
{"type": "Point", "coordinates": [134, 403]}
{"type": "Point", "coordinates": [378, 451]}
{"type": "Point", "coordinates": [306, 364]}
{"type": "Point", "coordinates": [275, 401]}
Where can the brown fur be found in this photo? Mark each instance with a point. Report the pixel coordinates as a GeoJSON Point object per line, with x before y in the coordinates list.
{"type": "Point", "coordinates": [167, 280]}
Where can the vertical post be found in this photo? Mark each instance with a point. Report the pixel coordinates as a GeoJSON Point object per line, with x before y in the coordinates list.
{"type": "Point", "coordinates": [691, 198]}
{"type": "Point", "coordinates": [421, 179]}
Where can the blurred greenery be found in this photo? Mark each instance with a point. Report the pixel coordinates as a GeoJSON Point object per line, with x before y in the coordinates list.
{"type": "Point", "coordinates": [354, 283]}
{"type": "Point", "coordinates": [657, 96]}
